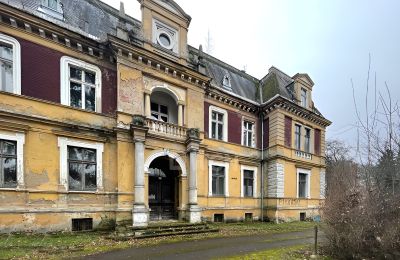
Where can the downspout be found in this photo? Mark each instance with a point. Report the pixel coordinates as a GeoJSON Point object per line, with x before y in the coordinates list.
{"type": "Point", "coordinates": [262, 165]}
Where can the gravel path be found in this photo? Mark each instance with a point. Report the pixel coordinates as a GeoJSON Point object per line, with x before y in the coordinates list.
{"type": "Point", "coordinates": [210, 248]}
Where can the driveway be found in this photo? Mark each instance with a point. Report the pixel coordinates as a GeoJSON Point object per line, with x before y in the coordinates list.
{"type": "Point", "coordinates": [211, 248]}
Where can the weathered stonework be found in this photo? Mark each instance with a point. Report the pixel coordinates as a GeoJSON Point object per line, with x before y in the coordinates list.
{"type": "Point", "coordinates": [322, 184]}
{"type": "Point", "coordinates": [276, 180]}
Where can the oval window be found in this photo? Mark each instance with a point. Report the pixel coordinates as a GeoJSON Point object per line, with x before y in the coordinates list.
{"type": "Point", "coordinates": [165, 41]}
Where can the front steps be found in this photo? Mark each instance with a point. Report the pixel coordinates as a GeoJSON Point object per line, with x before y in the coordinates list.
{"type": "Point", "coordinates": [158, 229]}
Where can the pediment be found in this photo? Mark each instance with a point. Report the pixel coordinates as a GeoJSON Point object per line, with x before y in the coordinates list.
{"type": "Point", "coordinates": [305, 78]}
{"type": "Point", "coordinates": [174, 8]}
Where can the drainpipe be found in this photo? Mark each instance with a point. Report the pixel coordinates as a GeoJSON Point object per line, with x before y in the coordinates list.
{"type": "Point", "coordinates": [262, 165]}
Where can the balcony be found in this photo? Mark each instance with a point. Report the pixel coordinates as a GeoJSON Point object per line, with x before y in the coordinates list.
{"type": "Point", "coordinates": [303, 155]}
{"type": "Point", "coordinates": [165, 129]}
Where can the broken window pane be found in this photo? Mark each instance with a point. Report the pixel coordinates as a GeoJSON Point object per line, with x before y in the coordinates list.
{"type": "Point", "coordinates": [9, 148]}
{"type": "Point", "coordinates": [76, 95]}
{"type": "Point", "coordinates": [75, 73]}
{"type": "Point", "coordinates": [90, 98]}
{"type": "Point", "coordinates": [75, 180]}
{"type": "Point", "coordinates": [90, 177]}
{"type": "Point", "coordinates": [8, 164]}
{"type": "Point", "coordinates": [10, 172]}
{"type": "Point", "coordinates": [82, 168]}
{"type": "Point", "coordinates": [90, 77]}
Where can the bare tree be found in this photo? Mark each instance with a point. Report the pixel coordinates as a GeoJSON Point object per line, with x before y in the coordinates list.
{"type": "Point", "coordinates": [362, 209]}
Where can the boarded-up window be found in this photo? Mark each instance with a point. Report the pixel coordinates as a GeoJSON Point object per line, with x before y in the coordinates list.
{"type": "Point", "coordinates": [288, 131]}
{"type": "Point", "coordinates": [317, 141]}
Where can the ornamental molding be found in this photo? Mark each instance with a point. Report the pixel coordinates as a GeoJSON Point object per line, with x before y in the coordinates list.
{"type": "Point", "coordinates": [294, 109]}
{"type": "Point", "coordinates": [43, 29]}
{"type": "Point", "coordinates": [231, 101]}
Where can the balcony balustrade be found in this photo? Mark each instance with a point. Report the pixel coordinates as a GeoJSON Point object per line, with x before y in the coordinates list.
{"type": "Point", "coordinates": [303, 155]}
{"type": "Point", "coordinates": [166, 129]}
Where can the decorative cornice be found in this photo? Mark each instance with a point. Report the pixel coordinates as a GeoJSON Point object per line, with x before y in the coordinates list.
{"type": "Point", "coordinates": [139, 56]}
{"type": "Point", "coordinates": [231, 101]}
{"type": "Point", "coordinates": [21, 21]}
{"type": "Point", "coordinates": [294, 109]}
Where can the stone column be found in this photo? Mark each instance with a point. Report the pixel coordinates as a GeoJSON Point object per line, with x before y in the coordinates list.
{"type": "Point", "coordinates": [147, 103]}
{"type": "Point", "coordinates": [193, 143]}
{"type": "Point", "coordinates": [140, 213]}
{"type": "Point", "coordinates": [180, 114]}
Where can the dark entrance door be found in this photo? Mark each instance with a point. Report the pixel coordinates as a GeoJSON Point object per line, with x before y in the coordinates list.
{"type": "Point", "coordinates": [162, 190]}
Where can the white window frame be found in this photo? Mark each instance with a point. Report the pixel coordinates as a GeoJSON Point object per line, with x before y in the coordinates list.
{"type": "Point", "coordinates": [225, 122]}
{"type": "Point", "coordinates": [309, 140]}
{"type": "Point", "coordinates": [20, 139]}
{"type": "Point", "coordinates": [16, 61]}
{"type": "Point", "coordinates": [222, 164]}
{"type": "Point", "coordinates": [65, 63]}
{"type": "Point", "coordinates": [249, 168]}
{"type": "Point", "coordinates": [308, 188]}
{"type": "Point", "coordinates": [303, 104]}
{"type": "Point", "coordinates": [299, 136]}
{"type": "Point", "coordinates": [253, 133]}
{"type": "Point", "coordinates": [63, 143]}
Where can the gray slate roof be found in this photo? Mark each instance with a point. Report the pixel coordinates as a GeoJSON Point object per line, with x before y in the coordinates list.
{"type": "Point", "coordinates": [91, 18]}
{"type": "Point", "coordinates": [95, 19]}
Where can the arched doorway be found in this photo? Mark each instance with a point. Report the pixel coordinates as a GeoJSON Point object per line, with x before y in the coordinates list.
{"type": "Point", "coordinates": [164, 173]}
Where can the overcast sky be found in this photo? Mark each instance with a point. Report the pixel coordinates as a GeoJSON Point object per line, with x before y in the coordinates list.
{"type": "Point", "coordinates": [329, 40]}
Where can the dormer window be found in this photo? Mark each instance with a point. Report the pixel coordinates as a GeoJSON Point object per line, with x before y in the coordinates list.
{"type": "Point", "coordinates": [226, 82]}
{"type": "Point", "coordinates": [303, 97]}
{"type": "Point", "coordinates": [52, 8]}
{"type": "Point", "coordinates": [165, 36]}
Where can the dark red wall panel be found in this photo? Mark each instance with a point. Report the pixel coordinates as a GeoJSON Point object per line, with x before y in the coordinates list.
{"type": "Point", "coordinates": [40, 76]}
{"type": "Point", "coordinates": [234, 127]}
{"type": "Point", "coordinates": [206, 123]}
{"type": "Point", "coordinates": [288, 131]}
{"type": "Point", "coordinates": [109, 91]}
{"type": "Point", "coordinates": [40, 71]}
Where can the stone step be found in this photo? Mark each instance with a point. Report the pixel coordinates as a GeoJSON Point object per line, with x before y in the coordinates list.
{"type": "Point", "coordinates": [139, 235]}
{"type": "Point", "coordinates": [168, 230]}
{"type": "Point", "coordinates": [157, 225]}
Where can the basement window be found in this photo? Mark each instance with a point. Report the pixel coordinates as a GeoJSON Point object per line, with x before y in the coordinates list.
{"type": "Point", "coordinates": [82, 224]}
{"type": "Point", "coordinates": [248, 217]}
{"type": "Point", "coordinates": [302, 216]}
{"type": "Point", "coordinates": [219, 218]}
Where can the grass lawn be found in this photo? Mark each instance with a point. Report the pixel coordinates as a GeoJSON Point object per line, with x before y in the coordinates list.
{"type": "Point", "coordinates": [55, 246]}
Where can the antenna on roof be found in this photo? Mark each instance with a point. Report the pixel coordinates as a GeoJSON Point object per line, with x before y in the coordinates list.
{"type": "Point", "coordinates": [244, 68]}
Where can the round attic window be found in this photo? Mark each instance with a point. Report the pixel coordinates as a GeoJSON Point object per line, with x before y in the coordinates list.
{"type": "Point", "coordinates": [165, 40]}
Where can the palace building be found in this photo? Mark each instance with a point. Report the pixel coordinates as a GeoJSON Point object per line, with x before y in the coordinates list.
{"type": "Point", "coordinates": [106, 120]}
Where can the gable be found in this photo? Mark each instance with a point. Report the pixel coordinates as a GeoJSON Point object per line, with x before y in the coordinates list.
{"type": "Point", "coordinates": [173, 7]}
{"type": "Point", "coordinates": [305, 78]}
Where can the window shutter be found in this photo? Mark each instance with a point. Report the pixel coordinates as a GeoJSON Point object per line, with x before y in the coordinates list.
{"type": "Point", "coordinates": [317, 142]}
{"type": "Point", "coordinates": [288, 131]}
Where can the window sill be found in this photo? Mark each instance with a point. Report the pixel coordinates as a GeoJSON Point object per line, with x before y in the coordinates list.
{"type": "Point", "coordinates": [83, 192]}
{"type": "Point", "coordinates": [10, 189]}
{"type": "Point", "coordinates": [218, 196]}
